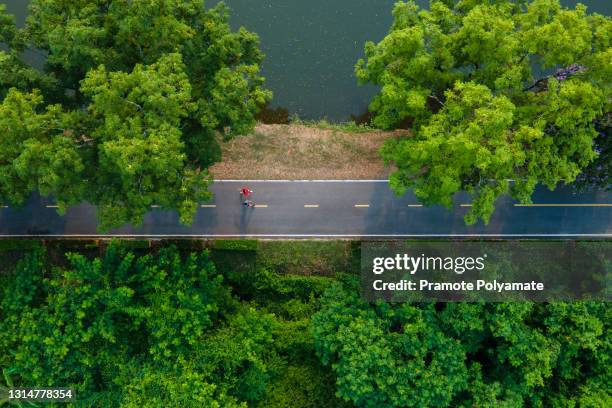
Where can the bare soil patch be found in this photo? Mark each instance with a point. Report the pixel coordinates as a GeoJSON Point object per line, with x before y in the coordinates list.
{"type": "Point", "coordinates": [303, 152]}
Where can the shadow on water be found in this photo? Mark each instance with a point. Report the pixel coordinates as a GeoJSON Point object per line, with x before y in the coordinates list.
{"type": "Point", "coordinates": [271, 116]}
{"type": "Point", "coordinates": [363, 118]}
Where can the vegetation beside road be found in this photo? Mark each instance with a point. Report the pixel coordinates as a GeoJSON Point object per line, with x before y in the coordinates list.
{"type": "Point", "coordinates": [495, 91]}
{"type": "Point", "coordinates": [154, 324]}
{"type": "Point", "coordinates": [135, 99]}
{"type": "Point", "coordinates": [304, 151]}
{"type": "Point", "coordinates": [126, 110]}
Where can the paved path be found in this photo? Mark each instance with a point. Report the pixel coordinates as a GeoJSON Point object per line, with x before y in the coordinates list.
{"type": "Point", "coordinates": [331, 209]}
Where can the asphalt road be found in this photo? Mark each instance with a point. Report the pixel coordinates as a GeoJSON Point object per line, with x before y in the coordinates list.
{"type": "Point", "coordinates": [311, 209]}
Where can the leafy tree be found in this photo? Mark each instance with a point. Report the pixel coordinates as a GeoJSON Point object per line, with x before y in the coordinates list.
{"type": "Point", "coordinates": [496, 90]}
{"type": "Point", "coordinates": [598, 174]}
{"type": "Point", "coordinates": [95, 324]}
{"type": "Point", "coordinates": [141, 159]}
{"type": "Point", "coordinates": [36, 154]}
{"type": "Point", "coordinates": [186, 388]}
{"type": "Point", "coordinates": [134, 92]}
{"type": "Point", "coordinates": [464, 354]}
{"type": "Point", "coordinates": [161, 329]}
{"type": "Point", "coordinates": [400, 358]}
{"type": "Point", "coordinates": [15, 73]}
{"type": "Point", "coordinates": [157, 329]}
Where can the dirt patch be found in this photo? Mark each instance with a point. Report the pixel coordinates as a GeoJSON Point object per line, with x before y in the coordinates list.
{"type": "Point", "coordinates": [303, 152]}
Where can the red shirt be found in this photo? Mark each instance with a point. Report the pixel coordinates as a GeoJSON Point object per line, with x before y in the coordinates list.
{"type": "Point", "coordinates": [246, 192]}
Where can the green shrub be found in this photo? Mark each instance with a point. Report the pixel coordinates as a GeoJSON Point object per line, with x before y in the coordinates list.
{"type": "Point", "coordinates": [307, 257]}
{"type": "Point", "coordinates": [19, 244]}
{"type": "Point", "coordinates": [236, 244]}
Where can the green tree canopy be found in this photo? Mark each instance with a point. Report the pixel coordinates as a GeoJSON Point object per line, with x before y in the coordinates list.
{"type": "Point", "coordinates": [160, 328]}
{"type": "Point", "coordinates": [154, 330]}
{"type": "Point", "coordinates": [496, 91]}
{"type": "Point", "coordinates": [464, 354]}
{"type": "Point", "coordinates": [126, 110]}
{"type": "Point", "coordinates": [598, 174]}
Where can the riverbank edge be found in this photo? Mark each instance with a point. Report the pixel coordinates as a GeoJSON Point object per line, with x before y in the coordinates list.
{"type": "Point", "coordinates": [305, 151]}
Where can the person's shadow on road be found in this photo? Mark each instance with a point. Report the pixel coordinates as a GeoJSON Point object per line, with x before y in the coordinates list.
{"type": "Point", "coordinates": [245, 218]}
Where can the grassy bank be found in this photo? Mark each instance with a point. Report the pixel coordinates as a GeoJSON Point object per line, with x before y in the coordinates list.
{"type": "Point", "coordinates": [305, 150]}
{"type": "Point", "coordinates": [307, 258]}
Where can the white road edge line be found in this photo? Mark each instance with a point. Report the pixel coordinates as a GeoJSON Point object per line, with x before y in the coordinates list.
{"type": "Point", "coordinates": [564, 205]}
{"type": "Point", "coordinates": [299, 235]}
{"type": "Point", "coordinates": [208, 206]}
{"type": "Point", "coordinates": [306, 181]}
{"type": "Point", "coordinates": [300, 181]}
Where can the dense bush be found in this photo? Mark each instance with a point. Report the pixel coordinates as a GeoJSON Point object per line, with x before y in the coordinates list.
{"type": "Point", "coordinates": [465, 354]}
{"type": "Point", "coordinates": [167, 329]}
{"type": "Point", "coordinates": [158, 330]}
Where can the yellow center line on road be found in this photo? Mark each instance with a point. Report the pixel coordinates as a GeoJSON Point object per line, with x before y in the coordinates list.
{"type": "Point", "coordinates": [563, 205]}
{"type": "Point", "coordinates": [465, 205]}
{"type": "Point", "coordinates": [261, 205]}
{"type": "Point", "coordinates": [208, 206]}
{"type": "Point", "coordinates": [362, 205]}
{"type": "Point", "coordinates": [311, 205]}
{"type": "Point", "coordinates": [52, 206]}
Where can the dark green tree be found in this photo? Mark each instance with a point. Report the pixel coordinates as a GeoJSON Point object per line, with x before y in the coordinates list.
{"type": "Point", "coordinates": [598, 174]}
{"type": "Point", "coordinates": [388, 357]}
{"type": "Point", "coordinates": [465, 354]}
{"type": "Point", "coordinates": [156, 330]}
{"type": "Point", "coordinates": [496, 90]}
{"type": "Point", "coordinates": [16, 73]}
{"type": "Point", "coordinates": [98, 323]}
{"type": "Point", "coordinates": [127, 110]}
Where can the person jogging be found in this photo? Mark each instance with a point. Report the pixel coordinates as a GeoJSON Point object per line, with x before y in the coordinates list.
{"type": "Point", "coordinates": [245, 193]}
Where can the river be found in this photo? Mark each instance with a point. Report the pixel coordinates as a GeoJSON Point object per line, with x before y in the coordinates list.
{"type": "Point", "coordinates": [311, 48]}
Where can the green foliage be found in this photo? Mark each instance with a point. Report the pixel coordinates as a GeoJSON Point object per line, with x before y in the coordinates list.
{"type": "Point", "coordinates": [15, 73]}
{"type": "Point", "coordinates": [161, 329]}
{"type": "Point", "coordinates": [322, 258]}
{"type": "Point", "coordinates": [236, 244]}
{"type": "Point", "coordinates": [142, 159]}
{"type": "Point", "coordinates": [242, 355]}
{"type": "Point", "coordinates": [464, 354]}
{"type": "Point", "coordinates": [81, 325]}
{"type": "Point", "coordinates": [19, 245]}
{"type": "Point", "coordinates": [496, 90]}
{"type": "Point", "coordinates": [166, 329]}
{"type": "Point", "coordinates": [152, 388]}
{"type": "Point", "coordinates": [304, 386]}
{"type": "Point", "coordinates": [598, 174]}
{"type": "Point", "coordinates": [348, 127]}
{"type": "Point", "coordinates": [126, 111]}
{"type": "Point", "coordinates": [35, 154]}
{"type": "Point", "coordinates": [276, 286]}
{"type": "Point", "coordinates": [300, 380]}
